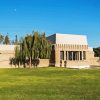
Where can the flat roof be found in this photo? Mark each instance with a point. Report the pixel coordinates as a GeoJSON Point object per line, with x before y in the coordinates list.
{"type": "Point", "coordinates": [59, 38]}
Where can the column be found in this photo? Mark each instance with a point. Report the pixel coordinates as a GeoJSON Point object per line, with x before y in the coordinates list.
{"type": "Point", "coordinates": [57, 58]}
{"type": "Point", "coordinates": [72, 55]}
{"type": "Point", "coordinates": [82, 54]}
{"type": "Point", "coordinates": [67, 55]}
{"type": "Point", "coordinates": [64, 55]}
{"type": "Point", "coordinates": [79, 55]}
{"type": "Point", "coordinates": [75, 55]}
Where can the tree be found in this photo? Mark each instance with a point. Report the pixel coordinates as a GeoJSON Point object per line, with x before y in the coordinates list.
{"type": "Point", "coordinates": [97, 51]}
{"type": "Point", "coordinates": [28, 48]}
{"type": "Point", "coordinates": [16, 39]}
{"type": "Point", "coordinates": [1, 38]}
{"type": "Point", "coordinates": [45, 47]}
{"type": "Point", "coordinates": [6, 40]}
{"type": "Point", "coordinates": [17, 56]}
{"type": "Point", "coordinates": [32, 48]}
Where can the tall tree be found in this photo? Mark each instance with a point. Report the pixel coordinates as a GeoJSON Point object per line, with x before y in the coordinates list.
{"type": "Point", "coordinates": [16, 39]}
{"type": "Point", "coordinates": [1, 38]}
{"type": "Point", "coordinates": [17, 55]}
{"type": "Point", "coordinates": [45, 47]}
{"type": "Point", "coordinates": [31, 48]}
{"type": "Point", "coordinates": [6, 40]}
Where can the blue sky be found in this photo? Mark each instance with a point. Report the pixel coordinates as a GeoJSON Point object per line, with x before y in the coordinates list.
{"type": "Point", "coordinates": [51, 16]}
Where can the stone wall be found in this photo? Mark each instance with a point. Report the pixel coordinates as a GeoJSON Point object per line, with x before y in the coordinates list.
{"type": "Point", "coordinates": [4, 60]}
{"type": "Point", "coordinates": [75, 64]}
{"type": "Point", "coordinates": [95, 61]}
{"type": "Point", "coordinates": [44, 63]}
{"type": "Point", "coordinates": [6, 52]}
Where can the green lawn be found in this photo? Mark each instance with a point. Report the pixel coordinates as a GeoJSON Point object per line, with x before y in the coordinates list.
{"type": "Point", "coordinates": [49, 84]}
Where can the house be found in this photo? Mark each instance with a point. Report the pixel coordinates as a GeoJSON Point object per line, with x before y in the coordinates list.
{"type": "Point", "coordinates": [71, 51]}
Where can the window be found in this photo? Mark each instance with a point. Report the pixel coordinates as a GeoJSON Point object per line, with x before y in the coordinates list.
{"type": "Point", "coordinates": [70, 55]}
{"type": "Point", "coordinates": [61, 55]}
{"type": "Point", "coordinates": [80, 55]}
{"type": "Point", "coordinates": [66, 55]}
{"type": "Point", "coordinates": [84, 55]}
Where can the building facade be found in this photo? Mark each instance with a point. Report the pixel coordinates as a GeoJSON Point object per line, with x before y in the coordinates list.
{"type": "Point", "coordinates": [71, 51]}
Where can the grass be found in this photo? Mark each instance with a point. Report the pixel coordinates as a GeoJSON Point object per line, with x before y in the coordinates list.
{"type": "Point", "coordinates": [49, 84]}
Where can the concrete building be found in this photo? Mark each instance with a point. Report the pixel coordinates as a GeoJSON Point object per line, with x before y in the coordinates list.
{"type": "Point", "coordinates": [71, 51]}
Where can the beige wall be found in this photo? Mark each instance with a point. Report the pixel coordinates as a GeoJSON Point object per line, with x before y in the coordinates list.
{"type": "Point", "coordinates": [71, 47]}
{"type": "Point", "coordinates": [44, 63]}
{"type": "Point", "coordinates": [93, 61]}
{"type": "Point", "coordinates": [76, 64]}
{"type": "Point", "coordinates": [66, 47]}
{"type": "Point", "coordinates": [4, 60]}
{"type": "Point", "coordinates": [90, 59]}
{"type": "Point", "coordinates": [5, 55]}
{"type": "Point", "coordinates": [6, 52]}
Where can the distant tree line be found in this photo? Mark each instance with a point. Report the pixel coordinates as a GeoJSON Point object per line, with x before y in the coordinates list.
{"type": "Point", "coordinates": [6, 39]}
{"type": "Point", "coordinates": [30, 49]}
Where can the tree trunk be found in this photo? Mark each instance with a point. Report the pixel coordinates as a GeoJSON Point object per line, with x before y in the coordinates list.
{"type": "Point", "coordinates": [30, 62]}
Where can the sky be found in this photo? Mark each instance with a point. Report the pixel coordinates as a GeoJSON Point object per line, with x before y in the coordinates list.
{"type": "Point", "coordinates": [21, 17]}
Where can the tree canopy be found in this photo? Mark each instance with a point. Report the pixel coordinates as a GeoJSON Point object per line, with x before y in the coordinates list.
{"type": "Point", "coordinates": [32, 47]}
{"type": "Point", "coordinates": [97, 51]}
{"type": "Point", "coordinates": [1, 38]}
{"type": "Point", "coordinates": [6, 40]}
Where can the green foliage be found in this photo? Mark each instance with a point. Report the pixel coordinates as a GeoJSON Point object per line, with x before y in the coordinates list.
{"type": "Point", "coordinates": [1, 38]}
{"type": "Point", "coordinates": [49, 84]}
{"type": "Point", "coordinates": [16, 40]}
{"type": "Point", "coordinates": [6, 40]}
{"type": "Point", "coordinates": [32, 48]}
{"type": "Point", "coordinates": [97, 51]}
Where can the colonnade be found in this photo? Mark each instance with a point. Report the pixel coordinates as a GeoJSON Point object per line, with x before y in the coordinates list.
{"type": "Point", "coordinates": [72, 55]}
